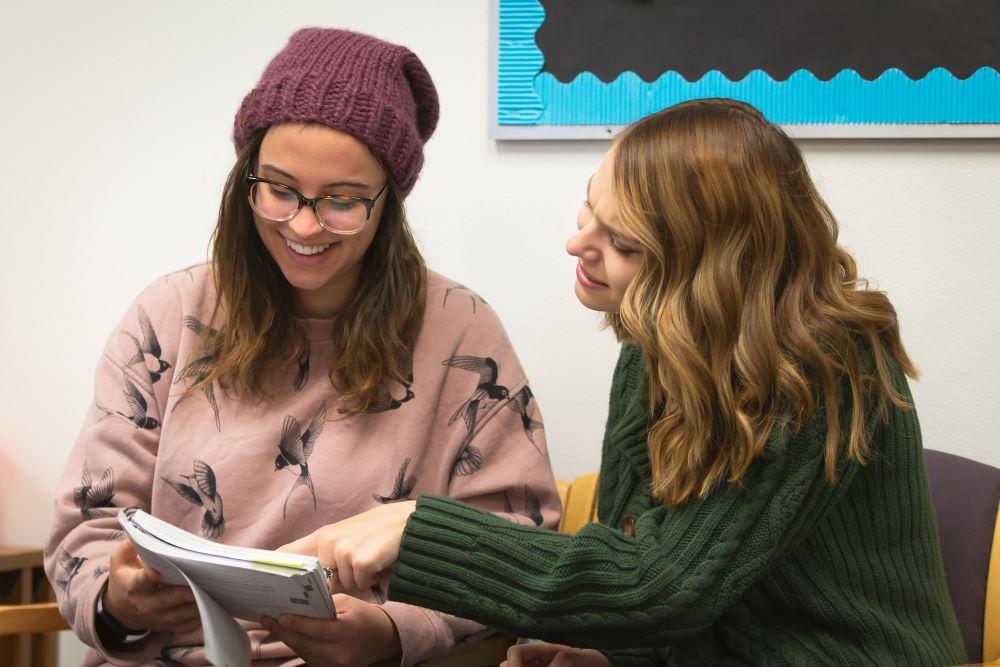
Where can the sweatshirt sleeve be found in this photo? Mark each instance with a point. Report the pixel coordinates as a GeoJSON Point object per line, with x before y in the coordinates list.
{"type": "Point", "coordinates": [499, 463]}
{"type": "Point", "coordinates": [111, 466]}
{"type": "Point", "coordinates": [603, 589]}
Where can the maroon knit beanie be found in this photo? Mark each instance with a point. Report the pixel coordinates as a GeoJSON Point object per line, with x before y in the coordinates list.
{"type": "Point", "coordinates": [376, 91]}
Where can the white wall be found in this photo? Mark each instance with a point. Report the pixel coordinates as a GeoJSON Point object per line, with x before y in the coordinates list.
{"type": "Point", "coordinates": [115, 122]}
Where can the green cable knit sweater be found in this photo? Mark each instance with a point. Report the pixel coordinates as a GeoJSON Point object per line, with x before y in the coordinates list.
{"type": "Point", "coordinates": [782, 569]}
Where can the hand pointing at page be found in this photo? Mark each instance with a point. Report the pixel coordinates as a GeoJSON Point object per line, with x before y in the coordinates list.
{"type": "Point", "coordinates": [358, 548]}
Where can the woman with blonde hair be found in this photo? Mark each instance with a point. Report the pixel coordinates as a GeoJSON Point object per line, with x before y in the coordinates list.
{"type": "Point", "coordinates": [312, 370]}
{"type": "Point", "coordinates": [762, 493]}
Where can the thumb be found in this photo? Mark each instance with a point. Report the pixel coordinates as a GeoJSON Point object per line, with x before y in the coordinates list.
{"type": "Point", "coordinates": [140, 578]}
{"type": "Point", "coordinates": [124, 553]}
{"type": "Point", "coordinates": [124, 556]}
{"type": "Point", "coordinates": [344, 603]}
{"type": "Point", "coordinates": [538, 653]}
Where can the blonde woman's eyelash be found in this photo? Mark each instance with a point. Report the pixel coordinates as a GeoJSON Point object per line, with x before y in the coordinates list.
{"type": "Point", "coordinates": [624, 252]}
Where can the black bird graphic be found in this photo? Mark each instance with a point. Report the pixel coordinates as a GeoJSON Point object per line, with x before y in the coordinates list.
{"type": "Point", "coordinates": [92, 498]}
{"type": "Point", "coordinates": [387, 401]}
{"type": "Point", "coordinates": [198, 370]}
{"type": "Point", "coordinates": [295, 447]}
{"type": "Point", "coordinates": [532, 508]}
{"type": "Point", "coordinates": [195, 325]}
{"type": "Point", "coordinates": [379, 593]}
{"type": "Point", "coordinates": [521, 403]}
{"type": "Point", "coordinates": [136, 403]}
{"type": "Point", "coordinates": [98, 571]}
{"type": "Point", "coordinates": [115, 536]}
{"type": "Point", "coordinates": [174, 273]}
{"type": "Point", "coordinates": [201, 489]}
{"type": "Point", "coordinates": [150, 345]}
{"type": "Point", "coordinates": [462, 288]}
{"type": "Point", "coordinates": [469, 460]}
{"type": "Point", "coordinates": [487, 387]}
{"type": "Point", "coordinates": [302, 375]}
{"type": "Point", "coordinates": [402, 488]}
{"type": "Point", "coordinates": [71, 564]}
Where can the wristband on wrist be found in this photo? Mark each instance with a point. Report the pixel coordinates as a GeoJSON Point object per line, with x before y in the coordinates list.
{"type": "Point", "coordinates": [115, 630]}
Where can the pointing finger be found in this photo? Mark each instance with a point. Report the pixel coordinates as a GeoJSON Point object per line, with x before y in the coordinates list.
{"type": "Point", "coordinates": [305, 546]}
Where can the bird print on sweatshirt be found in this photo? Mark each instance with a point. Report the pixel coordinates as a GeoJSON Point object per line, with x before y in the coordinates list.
{"type": "Point", "coordinates": [136, 403]}
{"type": "Point", "coordinates": [379, 593]}
{"type": "Point", "coordinates": [532, 506]}
{"type": "Point", "coordinates": [294, 449]}
{"type": "Point", "coordinates": [485, 395]}
{"type": "Point", "coordinates": [115, 536]}
{"type": "Point", "coordinates": [302, 374]}
{"type": "Point", "coordinates": [402, 488]}
{"type": "Point", "coordinates": [93, 498]}
{"type": "Point", "coordinates": [201, 489]}
{"type": "Point", "coordinates": [71, 566]}
{"type": "Point", "coordinates": [521, 404]}
{"type": "Point", "coordinates": [186, 271]}
{"type": "Point", "coordinates": [150, 346]}
{"type": "Point", "coordinates": [387, 401]}
{"type": "Point", "coordinates": [473, 297]}
{"type": "Point", "coordinates": [487, 390]}
{"type": "Point", "coordinates": [469, 460]}
{"type": "Point", "coordinates": [194, 372]}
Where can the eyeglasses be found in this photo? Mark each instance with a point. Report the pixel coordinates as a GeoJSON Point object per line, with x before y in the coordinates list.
{"type": "Point", "coordinates": [340, 214]}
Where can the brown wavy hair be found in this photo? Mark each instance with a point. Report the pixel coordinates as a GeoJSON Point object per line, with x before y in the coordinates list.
{"type": "Point", "coordinates": [257, 339]}
{"type": "Point", "coordinates": [744, 304]}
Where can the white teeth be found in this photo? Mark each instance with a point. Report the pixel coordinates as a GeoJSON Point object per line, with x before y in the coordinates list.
{"type": "Point", "coordinates": [307, 249]}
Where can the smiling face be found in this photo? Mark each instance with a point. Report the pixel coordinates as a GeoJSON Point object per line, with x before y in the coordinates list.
{"type": "Point", "coordinates": [608, 259]}
{"type": "Point", "coordinates": [322, 267]}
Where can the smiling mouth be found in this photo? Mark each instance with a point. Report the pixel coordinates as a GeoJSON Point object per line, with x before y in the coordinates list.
{"type": "Point", "coordinates": [307, 250]}
{"type": "Point", "coordinates": [589, 278]}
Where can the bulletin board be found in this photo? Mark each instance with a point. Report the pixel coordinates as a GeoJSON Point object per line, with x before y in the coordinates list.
{"type": "Point", "coordinates": [576, 69]}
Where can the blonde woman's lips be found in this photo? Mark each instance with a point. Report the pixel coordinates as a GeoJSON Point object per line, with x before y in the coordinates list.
{"type": "Point", "coordinates": [587, 280]}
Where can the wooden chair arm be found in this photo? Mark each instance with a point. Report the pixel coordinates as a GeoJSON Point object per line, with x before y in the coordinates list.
{"type": "Point", "coordinates": [490, 651]}
{"type": "Point", "coordinates": [31, 618]}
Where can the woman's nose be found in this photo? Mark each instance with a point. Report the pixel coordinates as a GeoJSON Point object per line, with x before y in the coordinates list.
{"type": "Point", "coordinates": [581, 244]}
{"type": "Point", "coordinates": [305, 223]}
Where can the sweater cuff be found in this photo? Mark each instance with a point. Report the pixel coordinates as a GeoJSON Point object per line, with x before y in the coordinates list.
{"type": "Point", "coordinates": [85, 625]}
{"type": "Point", "coordinates": [441, 553]}
{"type": "Point", "coordinates": [420, 636]}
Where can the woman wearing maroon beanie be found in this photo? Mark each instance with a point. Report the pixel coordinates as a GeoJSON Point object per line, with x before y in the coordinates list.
{"type": "Point", "coordinates": [312, 370]}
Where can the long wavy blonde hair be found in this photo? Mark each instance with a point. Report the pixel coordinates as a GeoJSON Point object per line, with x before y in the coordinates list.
{"type": "Point", "coordinates": [744, 303]}
{"type": "Point", "coordinates": [257, 338]}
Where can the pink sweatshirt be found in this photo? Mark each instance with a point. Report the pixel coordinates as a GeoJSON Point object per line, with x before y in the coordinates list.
{"type": "Point", "coordinates": [466, 427]}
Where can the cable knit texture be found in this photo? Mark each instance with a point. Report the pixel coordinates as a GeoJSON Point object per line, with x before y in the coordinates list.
{"type": "Point", "coordinates": [374, 90]}
{"type": "Point", "coordinates": [781, 569]}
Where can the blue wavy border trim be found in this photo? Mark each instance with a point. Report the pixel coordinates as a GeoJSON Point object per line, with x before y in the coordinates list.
{"type": "Point", "coordinates": [847, 98]}
{"type": "Point", "coordinates": [518, 63]}
{"type": "Point", "coordinates": [526, 96]}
